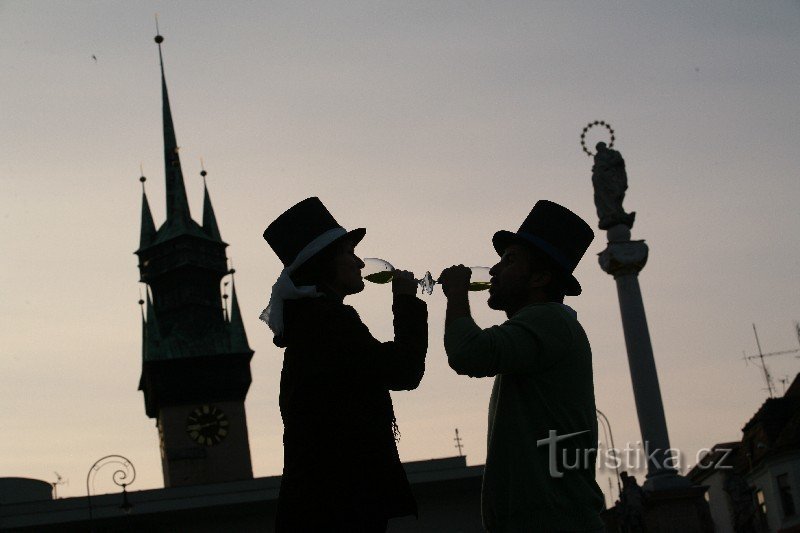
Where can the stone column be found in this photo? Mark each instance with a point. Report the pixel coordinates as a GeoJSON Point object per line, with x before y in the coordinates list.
{"type": "Point", "coordinates": [624, 259]}
{"type": "Point", "coordinates": [670, 501]}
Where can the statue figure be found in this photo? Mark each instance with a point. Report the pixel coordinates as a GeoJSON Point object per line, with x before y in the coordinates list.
{"type": "Point", "coordinates": [631, 503]}
{"type": "Point", "coordinates": [610, 183]}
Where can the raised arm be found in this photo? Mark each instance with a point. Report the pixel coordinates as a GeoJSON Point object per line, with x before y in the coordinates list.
{"type": "Point", "coordinates": [515, 346]}
{"type": "Point", "coordinates": [510, 347]}
{"type": "Point", "coordinates": [398, 364]}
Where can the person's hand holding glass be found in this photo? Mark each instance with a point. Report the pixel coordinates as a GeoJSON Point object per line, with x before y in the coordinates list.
{"type": "Point", "coordinates": [381, 271]}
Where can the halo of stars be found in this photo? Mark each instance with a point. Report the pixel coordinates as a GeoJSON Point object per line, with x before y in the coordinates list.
{"type": "Point", "coordinates": [590, 126]}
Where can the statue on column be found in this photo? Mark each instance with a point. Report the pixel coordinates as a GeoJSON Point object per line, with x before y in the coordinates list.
{"type": "Point", "coordinates": [610, 183]}
{"type": "Point", "coordinates": [631, 504]}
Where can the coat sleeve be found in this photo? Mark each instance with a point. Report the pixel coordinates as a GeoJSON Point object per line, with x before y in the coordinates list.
{"type": "Point", "coordinates": [398, 364]}
{"type": "Point", "coordinates": [527, 342]}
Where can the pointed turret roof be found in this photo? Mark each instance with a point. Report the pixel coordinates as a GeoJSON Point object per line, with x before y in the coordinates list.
{"type": "Point", "coordinates": [237, 333]}
{"type": "Point", "coordinates": [152, 345]}
{"type": "Point", "coordinates": [177, 204]}
{"type": "Point", "coordinates": [144, 322]}
{"type": "Point", "coordinates": [209, 219]}
{"type": "Point", "coordinates": [148, 231]}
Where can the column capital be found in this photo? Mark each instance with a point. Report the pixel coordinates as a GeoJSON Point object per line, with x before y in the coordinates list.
{"type": "Point", "coordinates": [621, 258]}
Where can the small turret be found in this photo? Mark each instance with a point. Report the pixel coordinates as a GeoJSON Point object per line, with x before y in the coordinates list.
{"type": "Point", "coordinates": [148, 232]}
{"type": "Point", "coordinates": [236, 326]}
{"type": "Point", "coordinates": [209, 219]}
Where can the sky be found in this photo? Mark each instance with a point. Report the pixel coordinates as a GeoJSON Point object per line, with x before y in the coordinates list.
{"type": "Point", "coordinates": [433, 125]}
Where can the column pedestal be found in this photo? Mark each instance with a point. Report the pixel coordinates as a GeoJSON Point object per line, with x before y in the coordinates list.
{"type": "Point", "coordinates": [684, 509]}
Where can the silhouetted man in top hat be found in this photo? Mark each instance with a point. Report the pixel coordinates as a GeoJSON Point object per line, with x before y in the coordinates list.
{"type": "Point", "coordinates": [540, 464]}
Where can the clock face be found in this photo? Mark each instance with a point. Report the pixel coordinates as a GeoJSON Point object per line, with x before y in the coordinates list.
{"type": "Point", "coordinates": [207, 425]}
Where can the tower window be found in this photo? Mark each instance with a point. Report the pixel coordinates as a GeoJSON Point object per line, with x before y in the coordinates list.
{"type": "Point", "coordinates": [785, 491]}
{"type": "Point", "coordinates": [761, 507]}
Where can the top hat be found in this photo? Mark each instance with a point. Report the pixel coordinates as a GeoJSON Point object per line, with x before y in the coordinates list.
{"type": "Point", "coordinates": [304, 230]}
{"type": "Point", "coordinates": [555, 231]}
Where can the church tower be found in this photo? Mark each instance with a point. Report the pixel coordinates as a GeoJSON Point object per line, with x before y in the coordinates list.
{"type": "Point", "coordinates": [195, 355]}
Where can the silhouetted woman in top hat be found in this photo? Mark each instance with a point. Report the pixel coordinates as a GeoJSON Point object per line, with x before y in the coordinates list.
{"type": "Point", "coordinates": [341, 469]}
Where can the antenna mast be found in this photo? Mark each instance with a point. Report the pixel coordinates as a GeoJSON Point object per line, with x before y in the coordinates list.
{"type": "Point", "coordinates": [767, 377]}
{"type": "Point", "coordinates": [761, 355]}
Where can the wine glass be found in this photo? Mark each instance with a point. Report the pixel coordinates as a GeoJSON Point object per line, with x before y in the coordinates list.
{"type": "Point", "coordinates": [381, 271]}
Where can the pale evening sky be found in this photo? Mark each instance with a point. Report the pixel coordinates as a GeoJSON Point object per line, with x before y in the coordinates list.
{"type": "Point", "coordinates": [432, 125]}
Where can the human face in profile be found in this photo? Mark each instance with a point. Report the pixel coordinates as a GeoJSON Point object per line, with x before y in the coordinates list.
{"type": "Point", "coordinates": [347, 270]}
{"type": "Point", "coordinates": [515, 280]}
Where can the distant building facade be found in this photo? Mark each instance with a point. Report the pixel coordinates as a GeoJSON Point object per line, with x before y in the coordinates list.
{"type": "Point", "coordinates": [447, 491]}
{"type": "Point", "coordinates": [755, 483]}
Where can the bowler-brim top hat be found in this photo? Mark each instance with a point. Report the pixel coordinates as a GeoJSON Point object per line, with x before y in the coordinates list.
{"type": "Point", "coordinates": [555, 231]}
{"type": "Point", "coordinates": [304, 230]}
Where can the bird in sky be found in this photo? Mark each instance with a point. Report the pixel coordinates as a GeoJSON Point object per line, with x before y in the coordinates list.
{"type": "Point", "coordinates": [94, 57]}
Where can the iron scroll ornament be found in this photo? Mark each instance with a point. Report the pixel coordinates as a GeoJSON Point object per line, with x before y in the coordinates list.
{"type": "Point", "coordinates": [122, 477]}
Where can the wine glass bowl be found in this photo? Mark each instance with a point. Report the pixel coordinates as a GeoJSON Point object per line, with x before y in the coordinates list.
{"type": "Point", "coordinates": [377, 270]}
{"type": "Point", "coordinates": [480, 280]}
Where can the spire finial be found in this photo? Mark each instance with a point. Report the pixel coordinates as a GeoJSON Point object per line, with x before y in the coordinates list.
{"type": "Point", "coordinates": [159, 39]}
{"type": "Point", "coordinates": [203, 171]}
{"type": "Point", "coordinates": [142, 179]}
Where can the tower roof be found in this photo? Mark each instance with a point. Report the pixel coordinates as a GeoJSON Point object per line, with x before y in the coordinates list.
{"type": "Point", "coordinates": [179, 220]}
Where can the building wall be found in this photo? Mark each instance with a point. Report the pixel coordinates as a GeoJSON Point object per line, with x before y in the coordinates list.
{"type": "Point", "coordinates": [447, 493]}
{"type": "Point", "coordinates": [719, 502]}
{"type": "Point", "coordinates": [452, 508]}
{"type": "Point", "coordinates": [765, 478]}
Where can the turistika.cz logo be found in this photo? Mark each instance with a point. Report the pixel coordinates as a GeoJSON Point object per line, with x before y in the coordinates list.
{"type": "Point", "coordinates": [629, 458]}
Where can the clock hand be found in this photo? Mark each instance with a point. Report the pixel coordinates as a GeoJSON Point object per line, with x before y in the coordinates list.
{"type": "Point", "coordinates": [195, 427]}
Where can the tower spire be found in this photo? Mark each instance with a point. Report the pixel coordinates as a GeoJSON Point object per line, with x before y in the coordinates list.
{"type": "Point", "coordinates": [177, 204]}
{"type": "Point", "coordinates": [148, 231]}
{"type": "Point", "coordinates": [209, 219]}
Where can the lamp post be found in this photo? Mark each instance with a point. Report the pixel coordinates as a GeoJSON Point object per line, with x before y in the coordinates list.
{"type": "Point", "coordinates": [601, 416]}
{"type": "Point", "coordinates": [122, 477]}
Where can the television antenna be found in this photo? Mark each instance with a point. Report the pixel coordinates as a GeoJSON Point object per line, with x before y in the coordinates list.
{"type": "Point", "coordinates": [784, 380]}
{"type": "Point", "coordinates": [759, 359]}
{"type": "Point", "coordinates": [59, 481]}
{"type": "Point", "coordinates": [458, 444]}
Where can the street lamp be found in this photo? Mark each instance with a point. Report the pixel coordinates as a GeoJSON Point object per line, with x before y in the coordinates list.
{"type": "Point", "coordinates": [122, 477]}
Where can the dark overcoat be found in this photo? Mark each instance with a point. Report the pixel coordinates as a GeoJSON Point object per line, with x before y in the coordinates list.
{"type": "Point", "coordinates": [341, 466]}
